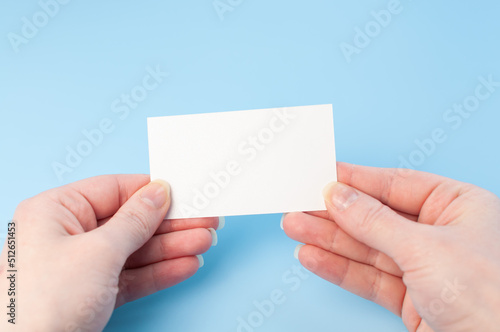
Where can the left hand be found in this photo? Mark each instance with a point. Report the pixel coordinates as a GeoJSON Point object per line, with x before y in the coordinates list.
{"type": "Point", "coordinates": [88, 247]}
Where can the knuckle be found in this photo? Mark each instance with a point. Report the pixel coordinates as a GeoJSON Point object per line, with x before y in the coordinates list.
{"type": "Point", "coordinates": [137, 220]}
{"type": "Point", "coordinates": [333, 239]}
{"type": "Point", "coordinates": [26, 205]}
{"type": "Point", "coordinates": [389, 183]}
{"type": "Point", "coordinates": [372, 216]}
{"type": "Point", "coordinates": [374, 290]}
{"type": "Point", "coordinates": [343, 273]}
{"type": "Point", "coordinates": [163, 246]}
{"type": "Point", "coordinates": [373, 257]}
{"type": "Point", "coordinates": [27, 212]}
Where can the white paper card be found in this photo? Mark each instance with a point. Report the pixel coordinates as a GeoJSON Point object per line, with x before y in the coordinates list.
{"type": "Point", "coordinates": [244, 162]}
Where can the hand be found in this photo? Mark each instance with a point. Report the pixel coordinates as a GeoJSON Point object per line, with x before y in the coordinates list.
{"type": "Point", "coordinates": [425, 247]}
{"type": "Point", "coordinates": [88, 247]}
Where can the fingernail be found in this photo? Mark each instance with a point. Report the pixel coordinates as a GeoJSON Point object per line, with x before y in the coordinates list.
{"type": "Point", "coordinates": [200, 260]}
{"type": "Point", "coordinates": [214, 236]}
{"type": "Point", "coordinates": [339, 195]}
{"type": "Point", "coordinates": [156, 193]}
{"type": "Point", "coordinates": [222, 223]}
{"type": "Point", "coordinates": [296, 251]}
{"type": "Point", "coordinates": [281, 221]}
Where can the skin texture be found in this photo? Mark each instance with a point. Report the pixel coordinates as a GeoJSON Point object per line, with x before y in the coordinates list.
{"type": "Point", "coordinates": [88, 247]}
{"type": "Point", "coordinates": [425, 247]}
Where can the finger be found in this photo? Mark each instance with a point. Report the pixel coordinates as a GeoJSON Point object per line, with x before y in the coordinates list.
{"type": "Point", "coordinates": [137, 283]}
{"type": "Point", "coordinates": [403, 190]}
{"type": "Point", "coordinates": [137, 220]}
{"type": "Point", "coordinates": [326, 215]}
{"type": "Point", "coordinates": [368, 220]}
{"type": "Point", "coordinates": [410, 316]}
{"type": "Point", "coordinates": [363, 280]}
{"type": "Point", "coordinates": [173, 225]}
{"type": "Point", "coordinates": [107, 193]}
{"type": "Point", "coordinates": [424, 327]}
{"type": "Point", "coordinates": [319, 214]}
{"type": "Point", "coordinates": [78, 205]}
{"type": "Point", "coordinates": [327, 235]}
{"type": "Point", "coordinates": [173, 245]}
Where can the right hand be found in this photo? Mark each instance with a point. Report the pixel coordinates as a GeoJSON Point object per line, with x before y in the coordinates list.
{"type": "Point", "coordinates": [423, 246]}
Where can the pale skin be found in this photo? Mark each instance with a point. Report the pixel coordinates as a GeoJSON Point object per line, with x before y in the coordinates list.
{"type": "Point", "coordinates": [88, 247]}
{"type": "Point", "coordinates": [423, 246]}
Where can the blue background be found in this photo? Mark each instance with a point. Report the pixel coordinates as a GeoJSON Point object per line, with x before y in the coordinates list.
{"type": "Point", "coordinates": [262, 54]}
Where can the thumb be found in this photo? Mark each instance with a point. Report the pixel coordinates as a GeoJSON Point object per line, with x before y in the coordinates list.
{"type": "Point", "coordinates": [368, 220]}
{"type": "Point", "coordinates": [137, 220]}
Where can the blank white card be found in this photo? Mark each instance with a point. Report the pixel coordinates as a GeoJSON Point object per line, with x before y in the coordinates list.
{"type": "Point", "coordinates": [245, 162]}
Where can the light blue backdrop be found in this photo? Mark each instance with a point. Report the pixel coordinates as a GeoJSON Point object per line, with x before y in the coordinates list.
{"type": "Point", "coordinates": [394, 89]}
